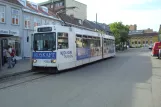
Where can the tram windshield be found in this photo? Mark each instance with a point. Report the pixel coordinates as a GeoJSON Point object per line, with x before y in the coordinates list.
{"type": "Point", "coordinates": [44, 42]}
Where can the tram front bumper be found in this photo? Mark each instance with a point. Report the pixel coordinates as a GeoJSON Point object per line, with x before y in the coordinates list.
{"type": "Point", "coordinates": [44, 63]}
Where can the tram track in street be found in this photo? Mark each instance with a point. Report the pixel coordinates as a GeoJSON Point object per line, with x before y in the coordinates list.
{"type": "Point", "coordinates": [21, 79]}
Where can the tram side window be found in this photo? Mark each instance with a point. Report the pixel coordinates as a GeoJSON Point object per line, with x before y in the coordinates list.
{"type": "Point", "coordinates": [79, 41]}
{"type": "Point", "coordinates": [86, 42]}
{"type": "Point", "coordinates": [63, 40]}
{"type": "Point", "coordinates": [97, 41]}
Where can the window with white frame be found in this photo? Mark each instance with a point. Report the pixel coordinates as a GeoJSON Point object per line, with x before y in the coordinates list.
{"type": "Point", "coordinates": [15, 16]}
{"type": "Point", "coordinates": [37, 21]}
{"type": "Point", "coordinates": [47, 22]}
{"type": "Point", "coordinates": [27, 20]}
{"type": "Point", "coordinates": [43, 22]}
{"type": "Point", "coordinates": [2, 13]}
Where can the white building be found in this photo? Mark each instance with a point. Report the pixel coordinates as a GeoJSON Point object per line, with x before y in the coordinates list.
{"type": "Point", "coordinates": [34, 15]}
{"type": "Point", "coordinates": [11, 26]}
{"type": "Point", "coordinates": [79, 12]}
{"type": "Point", "coordinates": [17, 21]}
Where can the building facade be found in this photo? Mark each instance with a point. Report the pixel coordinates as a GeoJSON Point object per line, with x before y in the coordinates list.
{"type": "Point", "coordinates": [133, 27]}
{"type": "Point", "coordinates": [80, 10]}
{"type": "Point", "coordinates": [17, 21]}
{"type": "Point", "coordinates": [34, 16]}
{"type": "Point", "coordinates": [148, 30]}
{"type": "Point", "coordinates": [11, 26]}
{"type": "Point", "coordinates": [139, 38]}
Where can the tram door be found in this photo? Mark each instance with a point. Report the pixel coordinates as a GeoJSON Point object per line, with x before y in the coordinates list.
{"type": "Point", "coordinates": [4, 43]}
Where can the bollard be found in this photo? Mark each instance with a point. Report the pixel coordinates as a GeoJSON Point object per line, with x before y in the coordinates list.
{"type": "Point", "coordinates": [159, 54]}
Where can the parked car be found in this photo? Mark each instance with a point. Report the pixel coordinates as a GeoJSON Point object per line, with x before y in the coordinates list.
{"type": "Point", "coordinates": [155, 49]}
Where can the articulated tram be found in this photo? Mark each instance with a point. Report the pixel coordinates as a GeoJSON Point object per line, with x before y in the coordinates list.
{"type": "Point", "coordinates": [64, 47]}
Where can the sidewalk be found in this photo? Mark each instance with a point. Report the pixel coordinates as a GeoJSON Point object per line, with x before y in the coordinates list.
{"type": "Point", "coordinates": [156, 81]}
{"type": "Point", "coordinates": [22, 66]}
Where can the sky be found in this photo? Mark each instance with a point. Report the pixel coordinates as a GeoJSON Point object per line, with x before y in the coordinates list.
{"type": "Point", "coordinates": [144, 13]}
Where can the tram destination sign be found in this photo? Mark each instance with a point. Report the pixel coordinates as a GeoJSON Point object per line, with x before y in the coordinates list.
{"type": "Point", "coordinates": [44, 29]}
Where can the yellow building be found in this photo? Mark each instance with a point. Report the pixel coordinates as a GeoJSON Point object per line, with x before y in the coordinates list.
{"type": "Point", "coordinates": [139, 38]}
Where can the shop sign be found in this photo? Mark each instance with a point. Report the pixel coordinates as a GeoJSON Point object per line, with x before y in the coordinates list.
{"type": "Point", "coordinates": [9, 32]}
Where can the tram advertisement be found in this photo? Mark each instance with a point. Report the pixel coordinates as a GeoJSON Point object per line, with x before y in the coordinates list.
{"type": "Point", "coordinates": [44, 55]}
{"type": "Point", "coordinates": [83, 53]}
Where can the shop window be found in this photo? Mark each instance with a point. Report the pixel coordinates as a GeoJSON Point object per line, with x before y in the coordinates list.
{"type": "Point", "coordinates": [2, 14]}
{"type": "Point", "coordinates": [63, 41]}
{"type": "Point", "coordinates": [15, 16]}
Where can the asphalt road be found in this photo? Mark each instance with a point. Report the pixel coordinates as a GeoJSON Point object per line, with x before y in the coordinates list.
{"type": "Point", "coordinates": [123, 81]}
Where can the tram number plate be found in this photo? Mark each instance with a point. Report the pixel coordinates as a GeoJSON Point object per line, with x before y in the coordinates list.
{"type": "Point", "coordinates": [47, 61]}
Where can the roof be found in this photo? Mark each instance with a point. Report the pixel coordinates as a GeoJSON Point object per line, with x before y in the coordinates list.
{"type": "Point", "coordinates": [40, 10]}
{"type": "Point", "coordinates": [87, 24]}
{"type": "Point", "coordinates": [146, 34]}
{"type": "Point", "coordinates": [69, 19]}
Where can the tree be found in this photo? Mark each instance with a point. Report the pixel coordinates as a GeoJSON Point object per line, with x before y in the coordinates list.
{"type": "Point", "coordinates": [120, 32]}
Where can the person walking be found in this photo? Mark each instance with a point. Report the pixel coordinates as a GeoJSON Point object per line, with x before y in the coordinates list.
{"type": "Point", "coordinates": [9, 58]}
{"type": "Point", "coordinates": [13, 55]}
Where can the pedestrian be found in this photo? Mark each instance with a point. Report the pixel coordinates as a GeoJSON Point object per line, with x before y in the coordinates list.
{"type": "Point", "coordinates": [4, 56]}
{"type": "Point", "coordinates": [9, 58]}
{"type": "Point", "coordinates": [13, 55]}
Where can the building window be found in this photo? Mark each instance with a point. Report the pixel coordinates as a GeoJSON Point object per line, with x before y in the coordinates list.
{"type": "Point", "coordinates": [27, 21]}
{"type": "Point", "coordinates": [132, 42]}
{"type": "Point", "coordinates": [2, 14]}
{"type": "Point", "coordinates": [51, 6]}
{"type": "Point", "coordinates": [139, 42]}
{"type": "Point", "coordinates": [63, 41]}
{"type": "Point", "coordinates": [146, 42]}
{"type": "Point", "coordinates": [15, 16]}
{"type": "Point", "coordinates": [135, 42]}
{"type": "Point", "coordinates": [43, 22]}
{"type": "Point", "coordinates": [143, 42]}
{"type": "Point", "coordinates": [151, 42]}
{"type": "Point", "coordinates": [58, 4]}
{"type": "Point", "coordinates": [37, 21]}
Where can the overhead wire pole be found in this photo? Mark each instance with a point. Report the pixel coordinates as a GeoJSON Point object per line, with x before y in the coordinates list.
{"type": "Point", "coordinates": [96, 21]}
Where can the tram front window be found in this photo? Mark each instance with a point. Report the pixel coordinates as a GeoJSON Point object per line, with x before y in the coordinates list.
{"type": "Point", "coordinates": [44, 42]}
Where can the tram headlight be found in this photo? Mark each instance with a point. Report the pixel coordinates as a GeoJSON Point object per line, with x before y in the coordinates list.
{"type": "Point", "coordinates": [53, 61]}
{"type": "Point", "coordinates": [34, 60]}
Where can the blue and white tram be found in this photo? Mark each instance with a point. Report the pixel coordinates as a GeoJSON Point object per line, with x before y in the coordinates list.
{"type": "Point", "coordinates": [64, 47]}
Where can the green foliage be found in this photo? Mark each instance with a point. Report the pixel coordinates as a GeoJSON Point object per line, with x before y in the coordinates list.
{"type": "Point", "coordinates": [120, 32]}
